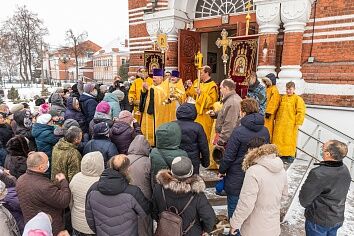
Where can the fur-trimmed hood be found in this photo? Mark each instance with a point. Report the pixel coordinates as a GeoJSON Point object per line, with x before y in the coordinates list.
{"type": "Point", "coordinates": [192, 184]}
{"type": "Point", "coordinates": [267, 81]}
{"type": "Point", "coordinates": [265, 155]}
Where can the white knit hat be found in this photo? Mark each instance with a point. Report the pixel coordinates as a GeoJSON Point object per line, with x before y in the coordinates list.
{"type": "Point", "coordinates": [44, 119]}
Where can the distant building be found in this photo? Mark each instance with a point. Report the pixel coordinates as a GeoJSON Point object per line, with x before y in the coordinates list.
{"type": "Point", "coordinates": [61, 65]}
{"type": "Point", "coordinates": [108, 60]}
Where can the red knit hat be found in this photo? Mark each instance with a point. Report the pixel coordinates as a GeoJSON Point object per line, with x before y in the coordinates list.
{"type": "Point", "coordinates": [103, 107]}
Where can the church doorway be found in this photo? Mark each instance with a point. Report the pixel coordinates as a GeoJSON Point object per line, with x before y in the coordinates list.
{"type": "Point", "coordinates": [213, 55]}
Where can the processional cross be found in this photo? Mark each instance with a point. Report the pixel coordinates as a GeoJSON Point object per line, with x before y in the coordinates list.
{"type": "Point", "coordinates": [224, 42]}
{"type": "Point", "coordinates": [248, 16]}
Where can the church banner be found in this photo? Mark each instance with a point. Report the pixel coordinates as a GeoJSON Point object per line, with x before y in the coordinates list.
{"type": "Point", "coordinates": [242, 61]}
{"type": "Point", "coordinates": [153, 59]}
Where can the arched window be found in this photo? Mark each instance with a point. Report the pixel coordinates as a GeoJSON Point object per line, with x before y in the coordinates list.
{"type": "Point", "coordinates": [207, 8]}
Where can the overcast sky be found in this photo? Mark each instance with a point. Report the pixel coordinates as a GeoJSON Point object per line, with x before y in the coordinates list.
{"type": "Point", "coordinates": [103, 22]}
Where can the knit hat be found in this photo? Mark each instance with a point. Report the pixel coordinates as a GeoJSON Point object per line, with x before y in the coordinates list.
{"type": "Point", "coordinates": [66, 86]}
{"type": "Point", "coordinates": [3, 190]}
{"type": "Point", "coordinates": [61, 131]}
{"type": "Point", "coordinates": [119, 94]}
{"type": "Point", "coordinates": [126, 116]}
{"type": "Point", "coordinates": [101, 129]}
{"type": "Point", "coordinates": [16, 107]}
{"type": "Point", "coordinates": [89, 87]}
{"type": "Point", "coordinates": [44, 119]}
{"type": "Point", "coordinates": [103, 88]}
{"type": "Point", "coordinates": [182, 167]}
{"type": "Point", "coordinates": [59, 90]}
{"type": "Point", "coordinates": [44, 109]}
{"type": "Point", "coordinates": [103, 107]}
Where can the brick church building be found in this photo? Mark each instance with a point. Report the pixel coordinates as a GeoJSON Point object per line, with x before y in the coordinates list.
{"type": "Point", "coordinates": [310, 42]}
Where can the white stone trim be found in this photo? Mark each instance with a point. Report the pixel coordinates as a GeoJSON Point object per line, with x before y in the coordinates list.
{"type": "Point", "coordinates": [329, 33]}
{"type": "Point", "coordinates": [332, 18]}
{"type": "Point", "coordinates": [329, 89]}
{"type": "Point", "coordinates": [139, 38]}
{"type": "Point", "coordinates": [140, 43]}
{"type": "Point", "coordinates": [290, 73]}
{"type": "Point", "coordinates": [329, 40]}
{"type": "Point", "coordinates": [262, 71]}
{"type": "Point", "coordinates": [137, 9]}
{"type": "Point", "coordinates": [136, 52]}
{"type": "Point", "coordinates": [140, 18]}
{"type": "Point", "coordinates": [136, 14]}
{"type": "Point", "coordinates": [137, 23]}
{"type": "Point", "coordinates": [328, 26]}
{"type": "Point", "coordinates": [140, 47]}
{"type": "Point", "coordinates": [268, 16]}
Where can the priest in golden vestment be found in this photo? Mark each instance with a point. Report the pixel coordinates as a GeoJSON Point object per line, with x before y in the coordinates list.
{"type": "Point", "coordinates": [177, 94]}
{"type": "Point", "coordinates": [204, 97]}
{"type": "Point", "coordinates": [153, 111]}
{"type": "Point", "coordinates": [135, 91]}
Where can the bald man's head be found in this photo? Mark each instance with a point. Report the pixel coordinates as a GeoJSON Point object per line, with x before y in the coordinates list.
{"type": "Point", "coordinates": [37, 161]}
{"type": "Point", "coordinates": [119, 163]}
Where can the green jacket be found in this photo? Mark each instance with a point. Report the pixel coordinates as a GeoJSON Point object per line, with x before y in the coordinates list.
{"type": "Point", "coordinates": [66, 159]}
{"type": "Point", "coordinates": [168, 140]}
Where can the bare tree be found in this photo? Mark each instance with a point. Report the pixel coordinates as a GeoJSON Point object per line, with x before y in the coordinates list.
{"type": "Point", "coordinates": [8, 61]}
{"type": "Point", "coordinates": [76, 49]}
{"type": "Point", "coordinates": [24, 31]}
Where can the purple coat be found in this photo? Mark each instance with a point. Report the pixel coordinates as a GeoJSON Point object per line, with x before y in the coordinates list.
{"type": "Point", "coordinates": [12, 204]}
{"type": "Point", "coordinates": [71, 113]}
{"type": "Point", "coordinates": [122, 135]}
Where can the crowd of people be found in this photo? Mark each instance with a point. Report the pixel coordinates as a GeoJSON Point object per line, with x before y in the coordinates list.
{"type": "Point", "coordinates": [111, 160]}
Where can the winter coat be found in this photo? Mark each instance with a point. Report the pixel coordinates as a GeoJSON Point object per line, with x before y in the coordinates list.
{"type": "Point", "coordinates": [258, 209]}
{"type": "Point", "coordinates": [12, 203]}
{"type": "Point", "coordinates": [38, 194]}
{"type": "Point", "coordinates": [8, 224]}
{"type": "Point", "coordinates": [71, 113]}
{"type": "Point", "coordinates": [113, 103]}
{"type": "Point", "coordinates": [252, 126]}
{"type": "Point", "coordinates": [102, 144]}
{"type": "Point", "coordinates": [45, 138]}
{"type": "Point", "coordinates": [228, 116]}
{"type": "Point", "coordinates": [324, 193]}
{"type": "Point", "coordinates": [57, 106]}
{"type": "Point", "coordinates": [65, 159]}
{"type": "Point", "coordinates": [177, 194]}
{"type": "Point", "coordinates": [290, 116]}
{"type": "Point", "coordinates": [5, 135]}
{"type": "Point", "coordinates": [20, 118]}
{"type": "Point", "coordinates": [92, 167]}
{"type": "Point", "coordinates": [113, 205]}
{"type": "Point", "coordinates": [122, 134]}
{"type": "Point", "coordinates": [168, 139]}
{"type": "Point", "coordinates": [258, 92]}
{"type": "Point", "coordinates": [193, 139]}
{"type": "Point", "coordinates": [140, 166]}
{"type": "Point", "coordinates": [17, 165]}
{"type": "Point", "coordinates": [88, 106]}
{"type": "Point", "coordinates": [98, 118]}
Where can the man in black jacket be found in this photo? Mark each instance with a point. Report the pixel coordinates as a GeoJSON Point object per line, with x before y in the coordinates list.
{"type": "Point", "coordinates": [325, 190]}
{"type": "Point", "coordinates": [112, 204]}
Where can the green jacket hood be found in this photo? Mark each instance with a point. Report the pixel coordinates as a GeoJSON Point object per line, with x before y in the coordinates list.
{"type": "Point", "coordinates": [65, 145]}
{"type": "Point", "coordinates": [168, 136]}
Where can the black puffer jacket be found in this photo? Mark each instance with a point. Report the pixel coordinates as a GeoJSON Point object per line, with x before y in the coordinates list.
{"type": "Point", "coordinates": [88, 106]}
{"type": "Point", "coordinates": [194, 140]}
{"type": "Point", "coordinates": [102, 144]}
{"type": "Point", "coordinates": [177, 194]}
{"type": "Point", "coordinates": [113, 205]}
{"type": "Point", "coordinates": [122, 134]}
{"type": "Point", "coordinates": [5, 135]}
{"type": "Point", "coordinates": [16, 159]}
{"type": "Point", "coordinates": [252, 126]}
{"type": "Point", "coordinates": [324, 193]}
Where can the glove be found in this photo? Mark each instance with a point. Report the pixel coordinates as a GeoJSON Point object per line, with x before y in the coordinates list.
{"type": "Point", "coordinates": [267, 115]}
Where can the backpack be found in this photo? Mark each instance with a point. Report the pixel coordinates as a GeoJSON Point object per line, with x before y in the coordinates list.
{"type": "Point", "coordinates": [8, 223]}
{"type": "Point", "coordinates": [170, 221]}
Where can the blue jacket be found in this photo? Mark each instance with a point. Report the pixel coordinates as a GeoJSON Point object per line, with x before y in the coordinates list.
{"type": "Point", "coordinates": [45, 138]}
{"type": "Point", "coordinates": [88, 106]}
{"type": "Point", "coordinates": [113, 102]}
{"type": "Point", "coordinates": [102, 144]}
{"type": "Point", "coordinates": [258, 92]}
{"type": "Point", "coordinates": [251, 126]}
{"type": "Point", "coordinates": [71, 113]}
{"type": "Point", "coordinates": [194, 140]}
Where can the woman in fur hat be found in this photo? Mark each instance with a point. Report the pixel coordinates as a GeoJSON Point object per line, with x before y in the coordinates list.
{"type": "Point", "coordinates": [16, 159]}
{"type": "Point", "coordinates": [176, 188]}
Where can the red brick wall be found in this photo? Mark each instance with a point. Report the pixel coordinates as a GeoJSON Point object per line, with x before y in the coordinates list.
{"type": "Point", "coordinates": [329, 100]}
